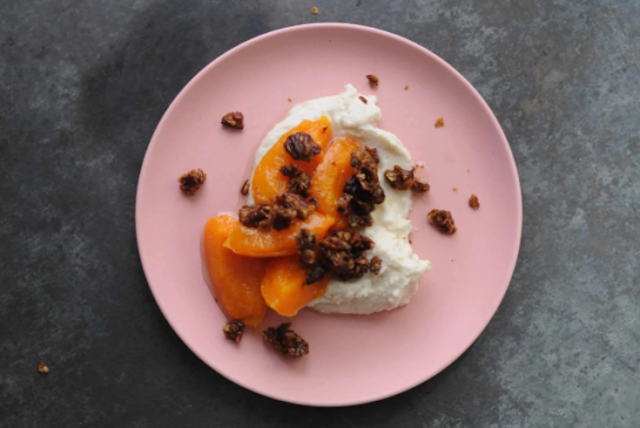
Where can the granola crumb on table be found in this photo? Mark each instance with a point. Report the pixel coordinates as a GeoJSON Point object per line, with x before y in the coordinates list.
{"type": "Point", "coordinates": [191, 181]}
{"type": "Point", "coordinates": [43, 369]}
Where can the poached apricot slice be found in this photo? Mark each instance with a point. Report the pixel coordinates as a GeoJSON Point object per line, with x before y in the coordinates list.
{"type": "Point", "coordinates": [331, 176]}
{"type": "Point", "coordinates": [252, 242]}
{"type": "Point", "coordinates": [235, 279]}
{"type": "Point", "coordinates": [283, 286]}
{"type": "Point", "coordinates": [268, 182]}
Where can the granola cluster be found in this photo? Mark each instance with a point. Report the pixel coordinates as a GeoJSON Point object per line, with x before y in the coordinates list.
{"type": "Point", "coordinates": [299, 181]}
{"type": "Point", "coordinates": [362, 192]}
{"type": "Point", "coordinates": [344, 252]}
{"type": "Point", "coordinates": [404, 179]}
{"type": "Point", "coordinates": [234, 119]}
{"type": "Point", "coordinates": [278, 216]}
{"type": "Point", "coordinates": [233, 330]}
{"type": "Point", "coordinates": [442, 221]}
{"type": "Point", "coordinates": [474, 202]}
{"type": "Point", "coordinates": [286, 341]}
{"type": "Point", "coordinates": [191, 181]}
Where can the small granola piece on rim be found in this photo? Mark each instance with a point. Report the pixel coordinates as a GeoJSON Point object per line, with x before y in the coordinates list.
{"type": "Point", "coordinates": [363, 99]}
{"type": "Point", "coordinates": [439, 122]}
{"type": "Point", "coordinates": [301, 146]}
{"type": "Point", "coordinates": [299, 181]}
{"type": "Point", "coordinates": [474, 202]}
{"type": "Point", "coordinates": [233, 330]}
{"type": "Point", "coordinates": [442, 221]}
{"type": "Point", "coordinates": [245, 188]}
{"type": "Point", "coordinates": [233, 119]}
{"type": "Point", "coordinates": [43, 369]}
{"type": "Point", "coordinates": [373, 80]}
{"type": "Point", "coordinates": [314, 10]}
{"type": "Point", "coordinates": [406, 87]}
{"type": "Point", "coordinates": [191, 181]}
{"type": "Point", "coordinates": [286, 341]}
{"type": "Point", "coordinates": [404, 179]}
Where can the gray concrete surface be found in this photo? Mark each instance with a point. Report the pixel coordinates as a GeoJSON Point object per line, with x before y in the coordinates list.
{"type": "Point", "coordinates": [82, 87]}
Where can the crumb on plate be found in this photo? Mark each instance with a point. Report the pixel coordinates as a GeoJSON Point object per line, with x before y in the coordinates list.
{"type": "Point", "coordinates": [473, 202]}
{"type": "Point", "coordinates": [245, 188]}
{"type": "Point", "coordinates": [233, 330]}
{"type": "Point", "coordinates": [442, 220]}
{"type": "Point", "coordinates": [191, 181]}
{"type": "Point", "coordinates": [233, 119]}
{"type": "Point", "coordinates": [286, 341]}
{"type": "Point", "coordinates": [373, 80]}
{"type": "Point", "coordinates": [439, 122]}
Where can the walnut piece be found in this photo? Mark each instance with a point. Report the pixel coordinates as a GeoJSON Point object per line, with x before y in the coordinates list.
{"type": "Point", "coordinates": [307, 243]}
{"type": "Point", "coordinates": [373, 80]}
{"type": "Point", "coordinates": [286, 341]}
{"type": "Point", "coordinates": [301, 146]}
{"type": "Point", "coordinates": [191, 181]}
{"type": "Point", "coordinates": [344, 252]}
{"type": "Point", "coordinates": [363, 99]}
{"type": "Point", "coordinates": [43, 369]}
{"type": "Point", "coordinates": [439, 122]}
{"type": "Point", "coordinates": [375, 265]}
{"type": "Point", "coordinates": [245, 188]}
{"type": "Point", "coordinates": [474, 202]}
{"type": "Point", "coordinates": [233, 330]}
{"type": "Point", "coordinates": [233, 119]}
{"type": "Point", "coordinates": [404, 179]}
{"type": "Point", "coordinates": [442, 221]}
{"type": "Point", "coordinates": [362, 190]}
{"type": "Point", "coordinates": [299, 181]}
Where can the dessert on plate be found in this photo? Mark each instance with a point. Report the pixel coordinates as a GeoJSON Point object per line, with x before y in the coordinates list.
{"type": "Point", "coordinates": [324, 225]}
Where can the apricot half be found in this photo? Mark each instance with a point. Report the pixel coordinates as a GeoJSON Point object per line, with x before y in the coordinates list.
{"type": "Point", "coordinates": [235, 279]}
{"type": "Point", "coordinates": [283, 286]}
{"type": "Point", "coordinates": [268, 182]}
{"type": "Point", "coordinates": [252, 242]}
{"type": "Point", "coordinates": [331, 176]}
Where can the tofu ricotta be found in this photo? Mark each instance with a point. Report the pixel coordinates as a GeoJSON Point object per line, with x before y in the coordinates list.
{"type": "Point", "coordinates": [401, 269]}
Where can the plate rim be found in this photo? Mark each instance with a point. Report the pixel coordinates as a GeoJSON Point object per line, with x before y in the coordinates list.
{"type": "Point", "coordinates": [502, 139]}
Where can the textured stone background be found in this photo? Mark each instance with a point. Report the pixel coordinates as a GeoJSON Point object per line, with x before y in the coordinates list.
{"type": "Point", "coordinates": [82, 87]}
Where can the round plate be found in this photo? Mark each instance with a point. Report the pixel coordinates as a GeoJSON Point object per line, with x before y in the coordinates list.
{"type": "Point", "coordinates": [353, 359]}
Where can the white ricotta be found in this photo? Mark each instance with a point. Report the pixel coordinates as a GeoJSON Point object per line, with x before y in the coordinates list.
{"type": "Point", "coordinates": [401, 268]}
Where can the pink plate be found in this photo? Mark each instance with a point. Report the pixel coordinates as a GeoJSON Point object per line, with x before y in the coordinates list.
{"type": "Point", "coordinates": [354, 359]}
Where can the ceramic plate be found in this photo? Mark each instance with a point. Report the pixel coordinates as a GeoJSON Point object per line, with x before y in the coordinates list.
{"type": "Point", "coordinates": [353, 359]}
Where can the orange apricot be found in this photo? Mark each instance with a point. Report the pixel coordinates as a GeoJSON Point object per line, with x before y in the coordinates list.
{"type": "Point", "coordinates": [252, 242]}
{"type": "Point", "coordinates": [268, 182]}
{"type": "Point", "coordinates": [235, 279]}
{"type": "Point", "coordinates": [331, 176]}
{"type": "Point", "coordinates": [283, 286]}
